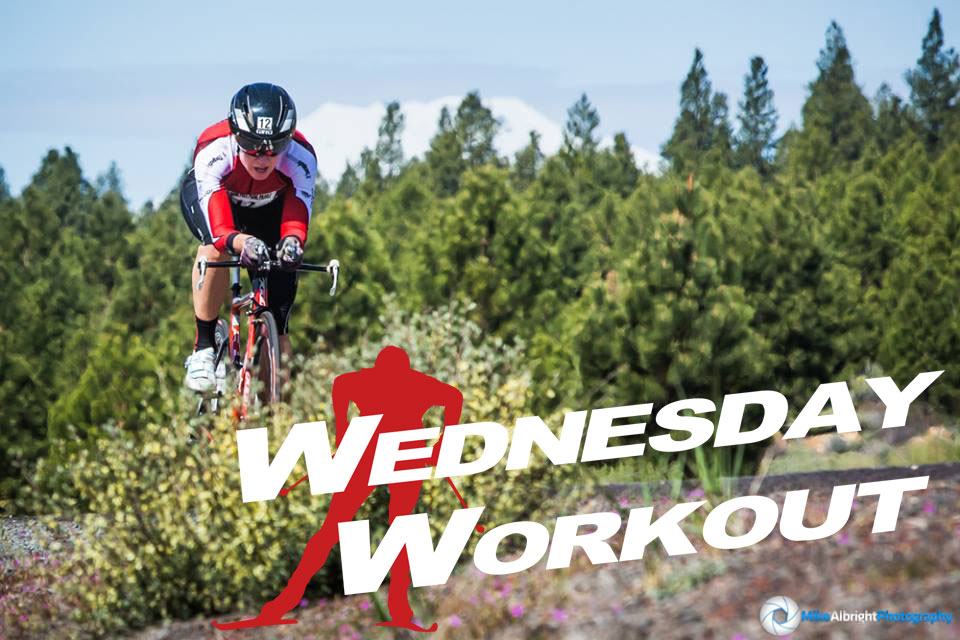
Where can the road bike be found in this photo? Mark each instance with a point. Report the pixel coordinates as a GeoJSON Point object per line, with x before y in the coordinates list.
{"type": "Point", "coordinates": [259, 365]}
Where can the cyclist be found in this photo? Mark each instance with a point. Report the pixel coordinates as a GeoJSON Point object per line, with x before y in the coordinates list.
{"type": "Point", "coordinates": [250, 188]}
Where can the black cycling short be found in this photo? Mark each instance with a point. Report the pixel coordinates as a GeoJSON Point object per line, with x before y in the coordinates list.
{"type": "Point", "coordinates": [261, 222]}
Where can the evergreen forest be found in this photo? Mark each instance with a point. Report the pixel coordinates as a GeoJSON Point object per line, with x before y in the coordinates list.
{"type": "Point", "coordinates": [750, 260]}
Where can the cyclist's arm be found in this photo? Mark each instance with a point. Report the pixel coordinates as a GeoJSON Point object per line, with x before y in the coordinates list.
{"type": "Point", "coordinates": [211, 164]}
{"type": "Point", "coordinates": [221, 224]}
{"type": "Point", "coordinates": [295, 219]}
{"type": "Point", "coordinates": [300, 164]}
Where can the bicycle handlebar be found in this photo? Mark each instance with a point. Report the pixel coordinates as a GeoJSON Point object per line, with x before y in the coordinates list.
{"type": "Point", "coordinates": [332, 267]}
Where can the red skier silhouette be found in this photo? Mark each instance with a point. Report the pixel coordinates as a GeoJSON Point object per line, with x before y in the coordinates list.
{"type": "Point", "coordinates": [403, 396]}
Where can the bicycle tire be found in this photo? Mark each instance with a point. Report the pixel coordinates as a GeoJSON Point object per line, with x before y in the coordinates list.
{"type": "Point", "coordinates": [266, 358]}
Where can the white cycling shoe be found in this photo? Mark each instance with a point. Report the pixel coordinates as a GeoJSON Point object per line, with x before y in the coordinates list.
{"type": "Point", "coordinates": [201, 375]}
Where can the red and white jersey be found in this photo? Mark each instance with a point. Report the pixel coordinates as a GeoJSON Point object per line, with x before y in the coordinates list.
{"type": "Point", "coordinates": [222, 181]}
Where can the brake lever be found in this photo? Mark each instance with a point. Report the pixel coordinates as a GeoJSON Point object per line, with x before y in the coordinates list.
{"type": "Point", "coordinates": [333, 267]}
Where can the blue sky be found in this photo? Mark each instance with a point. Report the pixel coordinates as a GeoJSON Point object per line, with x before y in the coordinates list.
{"type": "Point", "coordinates": [136, 82]}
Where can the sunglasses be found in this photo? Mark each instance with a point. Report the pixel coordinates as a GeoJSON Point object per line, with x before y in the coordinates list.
{"type": "Point", "coordinates": [256, 147]}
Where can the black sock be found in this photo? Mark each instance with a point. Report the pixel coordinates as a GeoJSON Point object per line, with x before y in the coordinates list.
{"type": "Point", "coordinates": [206, 334]}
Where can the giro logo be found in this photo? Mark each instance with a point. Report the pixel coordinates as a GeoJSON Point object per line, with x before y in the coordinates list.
{"type": "Point", "coordinates": [779, 616]}
{"type": "Point", "coordinates": [265, 125]}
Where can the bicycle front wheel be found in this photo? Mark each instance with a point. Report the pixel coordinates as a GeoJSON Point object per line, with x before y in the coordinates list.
{"type": "Point", "coordinates": [266, 358]}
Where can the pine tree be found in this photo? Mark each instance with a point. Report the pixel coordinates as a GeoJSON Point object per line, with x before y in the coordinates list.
{"type": "Point", "coordinates": [528, 162]}
{"type": "Point", "coordinates": [894, 118]}
{"type": "Point", "coordinates": [389, 148]}
{"type": "Point", "coordinates": [758, 120]}
{"type": "Point", "coordinates": [476, 128]}
{"type": "Point", "coordinates": [444, 157]}
{"type": "Point", "coordinates": [445, 124]}
{"type": "Point", "coordinates": [934, 85]}
{"type": "Point", "coordinates": [837, 119]}
{"type": "Point", "coordinates": [4, 189]}
{"type": "Point", "coordinates": [702, 124]}
{"type": "Point", "coordinates": [722, 145]}
{"type": "Point", "coordinates": [465, 142]}
{"type": "Point", "coordinates": [578, 135]}
{"type": "Point", "coordinates": [110, 180]}
{"type": "Point", "coordinates": [321, 195]}
{"type": "Point", "coordinates": [619, 169]}
{"type": "Point", "coordinates": [920, 286]}
{"type": "Point", "coordinates": [349, 182]}
{"type": "Point", "coordinates": [372, 173]}
{"type": "Point", "coordinates": [55, 292]}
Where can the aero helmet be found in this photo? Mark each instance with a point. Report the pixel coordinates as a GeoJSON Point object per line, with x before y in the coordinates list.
{"type": "Point", "coordinates": [262, 118]}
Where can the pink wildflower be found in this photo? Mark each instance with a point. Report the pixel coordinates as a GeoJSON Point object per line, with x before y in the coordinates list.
{"type": "Point", "coordinates": [365, 605]}
{"type": "Point", "coordinates": [304, 602]}
{"type": "Point", "coordinates": [929, 507]}
{"type": "Point", "coordinates": [843, 538]}
{"type": "Point", "coordinates": [454, 621]}
{"type": "Point", "coordinates": [559, 615]}
{"type": "Point", "coordinates": [696, 493]}
{"type": "Point", "coordinates": [517, 610]}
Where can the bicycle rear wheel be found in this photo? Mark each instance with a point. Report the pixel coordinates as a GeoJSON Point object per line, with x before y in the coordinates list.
{"type": "Point", "coordinates": [266, 359]}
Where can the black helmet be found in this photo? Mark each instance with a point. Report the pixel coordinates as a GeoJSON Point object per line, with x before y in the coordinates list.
{"type": "Point", "coordinates": [263, 118]}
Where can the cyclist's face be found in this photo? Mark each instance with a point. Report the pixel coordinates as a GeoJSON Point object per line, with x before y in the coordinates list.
{"type": "Point", "coordinates": [259, 167]}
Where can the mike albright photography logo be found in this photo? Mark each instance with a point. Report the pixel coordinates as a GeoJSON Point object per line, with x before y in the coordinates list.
{"type": "Point", "coordinates": [779, 616]}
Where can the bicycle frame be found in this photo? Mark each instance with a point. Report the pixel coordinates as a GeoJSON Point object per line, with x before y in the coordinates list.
{"type": "Point", "coordinates": [253, 304]}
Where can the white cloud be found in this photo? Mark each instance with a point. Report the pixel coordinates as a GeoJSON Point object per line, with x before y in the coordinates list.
{"type": "Point", "coordinates": [339, 132]}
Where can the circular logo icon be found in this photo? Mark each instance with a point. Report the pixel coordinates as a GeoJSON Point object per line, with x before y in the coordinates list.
{"type": "Point", "coordinates": [779, 616]}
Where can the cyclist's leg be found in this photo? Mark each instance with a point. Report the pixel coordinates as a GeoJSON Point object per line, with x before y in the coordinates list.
{"type": "Point", "coordinates": [201, 368]}
{"type": "Point", "coordinates": [283, 293]}
{"type": "Point", "coordinates": [207, 301]}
